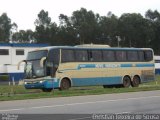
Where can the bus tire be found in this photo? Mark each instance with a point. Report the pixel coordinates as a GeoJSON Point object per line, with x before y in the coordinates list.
{"type": "Point", "coordinates": [47, 89]}
{"type": "Point", "coordinates": [136, 81]}
{"type": "Point", "coordinates": [126, 81]}
{"type": "Point", "coordinates": [65, 84]}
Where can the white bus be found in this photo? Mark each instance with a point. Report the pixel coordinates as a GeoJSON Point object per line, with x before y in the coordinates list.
{"type": "Point", "coordinates": [10, 55]}
{"type": "Point", "coordinates": [66, 66]}
{"type": "Point", "coordinates": [157, 65]}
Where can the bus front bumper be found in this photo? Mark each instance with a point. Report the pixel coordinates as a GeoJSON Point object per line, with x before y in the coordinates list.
{"type": "Point", "coordinates": [51, 83]}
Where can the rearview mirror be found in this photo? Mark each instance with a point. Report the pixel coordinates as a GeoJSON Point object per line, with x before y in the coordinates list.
{"type": "Point", "coordinates": [20, 63]}
{"type": "Point", "coordinates": [42, 61]}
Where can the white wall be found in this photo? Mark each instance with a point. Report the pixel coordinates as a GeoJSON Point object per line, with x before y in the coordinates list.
{"type": "Point", "coordinates": [8, 63]}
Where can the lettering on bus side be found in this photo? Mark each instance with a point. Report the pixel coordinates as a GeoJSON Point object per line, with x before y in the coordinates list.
{"type": "Point", "coordinates": [99, 66]}
{"type": "Point", "coordinates": [112, 65]}
{"type": "Point", "coordinates": [107, 65]}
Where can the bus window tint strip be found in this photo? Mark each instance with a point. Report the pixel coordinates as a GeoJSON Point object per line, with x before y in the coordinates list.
{"type": "Point", "coordinates": [86, 55]}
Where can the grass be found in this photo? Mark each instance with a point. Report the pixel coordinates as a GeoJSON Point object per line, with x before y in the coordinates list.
{"type": "Point", "coordinates": [20, 93]}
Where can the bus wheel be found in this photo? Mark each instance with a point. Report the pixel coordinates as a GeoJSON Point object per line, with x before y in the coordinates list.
{"type": "Point", "coordinates": [47, 89]}
{"type": "Point", "coordinates": [136, 81]}
{"type": "Point", "coordinates": [126, 81]}
{"type": "Point", "coordinates": [65, 84]}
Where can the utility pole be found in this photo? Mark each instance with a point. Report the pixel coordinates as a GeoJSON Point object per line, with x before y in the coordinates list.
{"type": "Point", "coordinates": [118, 40]}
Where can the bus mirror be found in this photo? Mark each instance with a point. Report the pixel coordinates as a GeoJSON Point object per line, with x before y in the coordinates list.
{"type": "Point", "coordinates": [20, 63]}
{"type": "Point", "coordinates": [42, 61]}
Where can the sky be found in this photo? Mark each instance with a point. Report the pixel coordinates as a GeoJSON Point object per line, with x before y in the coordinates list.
{"type": "Point", "coordinates": [24, 12]}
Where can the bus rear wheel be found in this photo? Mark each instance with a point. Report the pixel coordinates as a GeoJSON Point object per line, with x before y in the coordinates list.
{"type": "Point", "coordinates": [135, 81]}
{"type": "Point", "coordinates": [65, 84]}
{"type": "Point", "coordinates": [126, 81]}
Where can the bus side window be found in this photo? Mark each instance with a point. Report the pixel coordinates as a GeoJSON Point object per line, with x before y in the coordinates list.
{"type": "Point", "coordinates": [53, 56]}
{"type": "Point", "coordinates": [108, 56]}
{"type": "Point", "coordinates": [141, 55]}
{"type": "Point", "coordinates": [132, 56]}
{"type": "Point", "coordinates": [121, 56]}
{"type": "Point", "coordinates": [148, 55]}
{"type": "Point", "coordinates": [81, 55]}
{"type": "Point", "coordinates": [52, 62]}
{"type": "Point", "coordinates": [96, 55]}
{"type": "Point", "coordinates": [68, 55]}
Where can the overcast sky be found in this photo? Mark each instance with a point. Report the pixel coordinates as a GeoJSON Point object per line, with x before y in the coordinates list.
{"type": "Point", "coordinates": [24, 12]}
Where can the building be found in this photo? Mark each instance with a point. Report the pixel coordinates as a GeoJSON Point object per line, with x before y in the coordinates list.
{"type": "Point", "coordinates": [10, 55]}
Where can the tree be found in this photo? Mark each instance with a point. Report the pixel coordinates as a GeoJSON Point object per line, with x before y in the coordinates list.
{"type": "Point", "coordinates": [43, 19]}
{"type": "Point", "coordinates": [5, 28]}
{"type": "Point", "coordinates": [108, 27]}
{"type": "Point", "coordinates": [85, 24]}
{"type": "Point", "coordinates": [23, 36]}
{"type": "Point", "coordinates": [153, 18]}
{"type": "Point", "coordinates": [133, 29]}
{"type": "Point", "coordinates": [66, 34]}
{"type": "Point", "coordinates": [42, 27]}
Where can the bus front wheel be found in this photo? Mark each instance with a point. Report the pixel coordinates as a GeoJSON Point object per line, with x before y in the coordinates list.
{"type": "Point", "coordinates": [65, 84]}
{"type": "Point", "coordinates": [126, 81]}
{"type": "Point", "coordinates": [135, 81]}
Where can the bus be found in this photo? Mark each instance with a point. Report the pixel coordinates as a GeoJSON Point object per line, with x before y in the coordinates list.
{"type": "Point", "coordinates": [63, 67]}
{"type": "Point", "coordinates": [11, 54]}
{"type": "Point", "coordinates": [157, 64]}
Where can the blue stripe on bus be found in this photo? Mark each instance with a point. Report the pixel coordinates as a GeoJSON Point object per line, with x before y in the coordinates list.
{"type": "Point", "coordinates": [108, 66]}
{"type": "Point", "coordinates": [126, 65]}
{"type": "Point", "coordinates": [97, 81]}
{"type": "Point", "coordinates": [144, 65]}
{"type": "Point", "coordinates": [86, 66]}
{"type": "Point", "coordinates": [112, 65]}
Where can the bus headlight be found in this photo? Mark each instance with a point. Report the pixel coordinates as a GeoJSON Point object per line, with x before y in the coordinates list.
{"type": "Point", "coordinates": [40, 81]}
{"type": "Point", "coordinates": [25, 83]}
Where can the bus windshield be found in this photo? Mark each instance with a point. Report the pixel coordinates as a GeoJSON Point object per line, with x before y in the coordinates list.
{"type": "Point", "coordinates": [33, 68]}
{"type": "Point", "coordinates": [36, 55]}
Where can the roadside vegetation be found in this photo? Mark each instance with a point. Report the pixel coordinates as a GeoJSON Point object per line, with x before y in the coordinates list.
{"type": "Point", "coordinates": [19, 92]}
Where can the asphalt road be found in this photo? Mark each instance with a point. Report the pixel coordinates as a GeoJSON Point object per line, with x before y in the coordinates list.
{"type": "Point", "coordinates": [128, 103]}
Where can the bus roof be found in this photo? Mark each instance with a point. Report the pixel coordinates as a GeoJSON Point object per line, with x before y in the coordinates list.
{"type": "Point", "coordinates": [92, 46]}
{"type": "Point", "coordinates": [86, 47]}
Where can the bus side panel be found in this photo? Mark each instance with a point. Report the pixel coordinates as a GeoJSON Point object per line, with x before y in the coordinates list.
{"type": "Point", "coordinates": [97, 81]}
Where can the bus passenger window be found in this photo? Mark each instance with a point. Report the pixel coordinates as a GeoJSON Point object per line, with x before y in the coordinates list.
{"type": "Point", "coordinates": [148, 55]}
{"type": "Point", "coordinates": [67, 55]}
{"type": "Point", "coordinates": [121, 56]}
{"type": "Point", "coordinates": [96, 56]}
{"type": "Point", "coordinates": [132, 56]}
{"type": "Point", "coordinates": [141, 55]}
{"type": "Point", "coordinates": [108, 56]}
{"type": "Point", "coordinates": [81, 55]}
